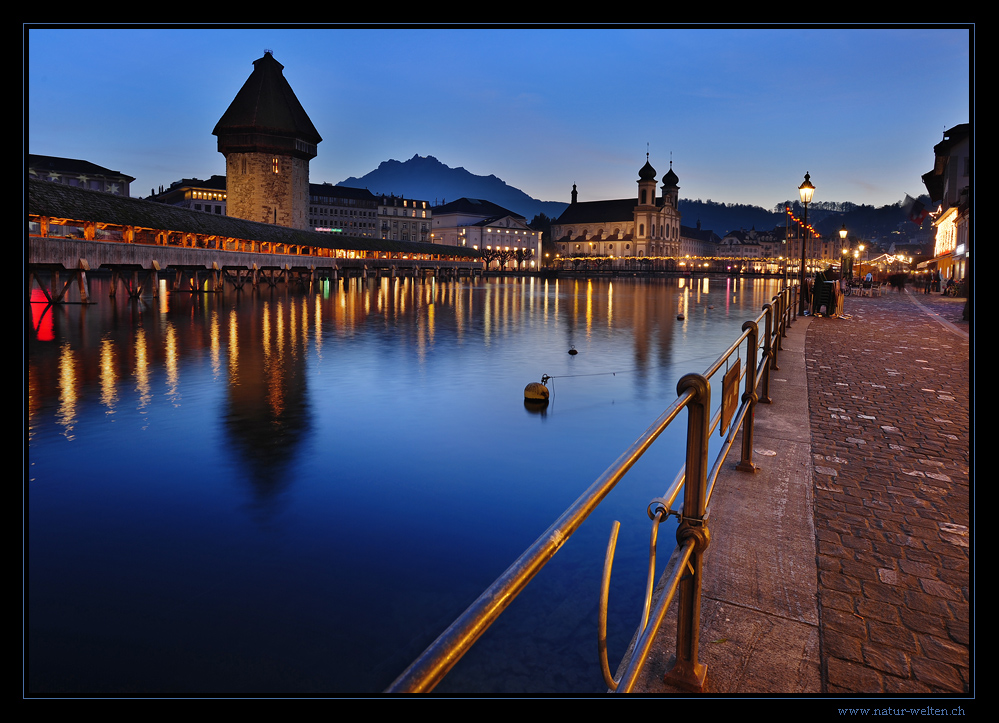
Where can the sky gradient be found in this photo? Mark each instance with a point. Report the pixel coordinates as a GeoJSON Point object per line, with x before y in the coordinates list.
{"type": "Point", "coordinates": [744, 112]}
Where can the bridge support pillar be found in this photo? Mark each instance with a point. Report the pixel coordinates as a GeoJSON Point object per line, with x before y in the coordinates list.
{"type": "Point", "coordinates": [56, 291]}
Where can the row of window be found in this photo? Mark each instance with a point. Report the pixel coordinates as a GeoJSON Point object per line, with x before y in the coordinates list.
{"type": "Point", "coordinates": [610, 247]}
{"type": "Point", "coordinates": [324, 211]}
{"type": "Point", "coordinates": [664, 232]}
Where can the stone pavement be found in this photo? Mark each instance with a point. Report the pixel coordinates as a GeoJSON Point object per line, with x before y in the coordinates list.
{"type": "Point", "coordinates": [759, 613]}
{"type": "Point", "coordinates": [889, 395]}
{"type": "Point", "coordinates": [843, 565]}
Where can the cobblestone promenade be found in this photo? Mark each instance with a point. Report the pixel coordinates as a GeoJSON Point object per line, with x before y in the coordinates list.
{"type": "Point", "coordinates": [889, 395]}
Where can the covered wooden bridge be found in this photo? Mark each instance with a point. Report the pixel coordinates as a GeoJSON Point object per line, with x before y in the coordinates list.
{"type": "Point", "coordinates": [72, 231]}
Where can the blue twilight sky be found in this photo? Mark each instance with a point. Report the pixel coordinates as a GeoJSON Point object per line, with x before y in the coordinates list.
{"type": "Point", "coordinates": [745, 112]}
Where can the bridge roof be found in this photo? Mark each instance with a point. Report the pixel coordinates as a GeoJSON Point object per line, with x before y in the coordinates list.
{"type": "Point", "coordinates": [57, 200]}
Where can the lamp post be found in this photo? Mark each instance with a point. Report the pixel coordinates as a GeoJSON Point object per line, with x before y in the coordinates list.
{"type": "Point", "coordinates": [787, 247]}
{"type": "Point", "coordinates": [805, 191]}
{"type": "Point", "coordinates": [846, 250]}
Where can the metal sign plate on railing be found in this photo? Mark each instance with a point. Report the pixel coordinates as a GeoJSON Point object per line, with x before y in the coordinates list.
{"type": "Point", "coordinates": [730, 394]}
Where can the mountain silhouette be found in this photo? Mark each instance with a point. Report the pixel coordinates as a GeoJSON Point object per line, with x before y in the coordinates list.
{"type": "Point", "coordinates": [426, 179]}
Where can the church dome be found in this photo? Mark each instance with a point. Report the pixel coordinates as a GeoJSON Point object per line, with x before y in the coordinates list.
{"type": "Point", "coordinates": [671, 179]}
{"type": "Point", "coordinates": [648, 173]}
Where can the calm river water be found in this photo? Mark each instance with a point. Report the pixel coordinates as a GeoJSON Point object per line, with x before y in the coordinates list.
{"type": "Point", "coordinates": [281, 493]}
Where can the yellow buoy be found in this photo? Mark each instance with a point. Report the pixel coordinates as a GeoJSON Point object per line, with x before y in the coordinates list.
{"type": "Point", "coordinates": [536, 392]}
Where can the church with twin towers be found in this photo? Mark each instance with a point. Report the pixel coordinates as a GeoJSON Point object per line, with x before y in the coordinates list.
{"type": "Point", "coordinates": [643, 226]}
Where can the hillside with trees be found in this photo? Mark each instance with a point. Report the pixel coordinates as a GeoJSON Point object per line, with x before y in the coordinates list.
{"type": "Point", "coordinates": [828, 217]}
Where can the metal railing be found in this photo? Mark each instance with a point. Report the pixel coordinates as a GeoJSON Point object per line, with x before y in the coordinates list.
{"type": "Point", "coordinates": [697, 483]}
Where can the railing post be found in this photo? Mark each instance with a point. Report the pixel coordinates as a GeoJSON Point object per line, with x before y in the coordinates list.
{"type": "Point", "coordinates": [772, 344]}
{"type": "Point", "coordinates": [784, 296]}
{"type": "Point", "coordinates": [749, 396]}
{"type": "Point", "coordinates": [778, 326]}
{"type": "Point", "coordinates": [686, 672]}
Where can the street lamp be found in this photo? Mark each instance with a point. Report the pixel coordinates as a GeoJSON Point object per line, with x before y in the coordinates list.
{"type": "Point", "coordinates": [805, 190]}
{"type": "Point", "coordinates": [846, 250]}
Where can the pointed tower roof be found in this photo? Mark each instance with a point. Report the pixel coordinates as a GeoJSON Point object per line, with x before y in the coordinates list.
{"type": "Point", "coordinates": [266, 116]}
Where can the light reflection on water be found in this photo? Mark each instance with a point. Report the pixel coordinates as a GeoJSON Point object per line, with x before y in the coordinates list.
{"type": "Point", "coordinates": [290, 493]}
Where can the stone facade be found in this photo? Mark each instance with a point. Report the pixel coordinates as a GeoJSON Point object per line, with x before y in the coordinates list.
{"type": "Point", "coordinates": [268, 188]}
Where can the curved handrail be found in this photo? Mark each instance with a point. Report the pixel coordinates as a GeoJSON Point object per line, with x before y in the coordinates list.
{"type": "Point", "coordinates": [693, 391]}
{"type": "Point", "coordinates": [428, 669]}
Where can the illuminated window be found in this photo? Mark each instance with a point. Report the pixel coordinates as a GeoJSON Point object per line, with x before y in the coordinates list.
{"type": "Point", "coordinates": [274, 164]}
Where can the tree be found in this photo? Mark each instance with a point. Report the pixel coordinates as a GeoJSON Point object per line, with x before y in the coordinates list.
{"type": "Point", "coordinates": [523, 255]}
{"type": "Point", "coordinates": [489, 255]}
{"type": "Point", "coordinates": [504, 257]}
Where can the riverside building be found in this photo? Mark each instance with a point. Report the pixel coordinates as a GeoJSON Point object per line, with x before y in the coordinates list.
{"type": "Point", "coordinates": [643, 226]}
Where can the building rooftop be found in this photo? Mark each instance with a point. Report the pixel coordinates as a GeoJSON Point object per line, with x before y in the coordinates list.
{"type": "Point", "coordinates": [621, 209]}
{"type": "Point", "coordinates": [40, 166]}
{"type": "Point", "coordinates": [474, 207]}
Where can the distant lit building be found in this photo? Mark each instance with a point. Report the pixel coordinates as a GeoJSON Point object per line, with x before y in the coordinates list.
{"type": "Point", "coordinates": [404, 219]}
{"type": "Point", "coordinates": [949, 186]}
{"type": "Point", "coordinates": [697, 243]}
{"type": "Point", "coordinates": [483, 225]}
{"type": "Point", "coordinates": [763, 250]}
{"type": "Point", "coordinates": [343, 210]}
{"type": "Point", "coordinates": [643, 226]}
{"type": "Point", "coordinates": [80, 174]}
{"type": "Point", "coordinates": [195, 194]}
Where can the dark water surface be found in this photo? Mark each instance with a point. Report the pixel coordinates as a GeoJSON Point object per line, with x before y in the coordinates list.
{"type": "Point", "coordinates": [280, 493]}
